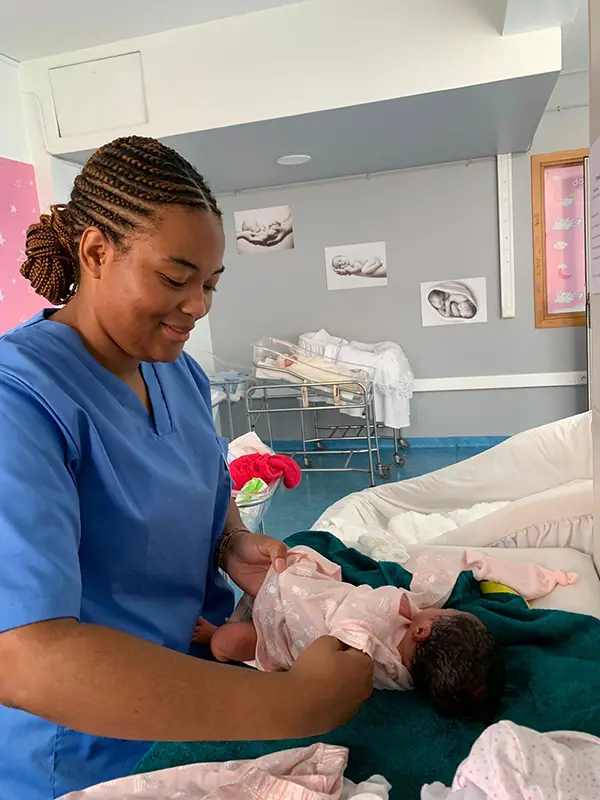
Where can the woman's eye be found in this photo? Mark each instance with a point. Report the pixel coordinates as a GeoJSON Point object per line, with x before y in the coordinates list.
{"type": "Point", "coordinates": [210, 289]}
{"type": "Point", "coordinates": [172, 283]}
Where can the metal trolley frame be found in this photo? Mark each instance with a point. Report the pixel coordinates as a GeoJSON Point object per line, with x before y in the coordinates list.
{"type": "Point", "coordinates": [261, 401]}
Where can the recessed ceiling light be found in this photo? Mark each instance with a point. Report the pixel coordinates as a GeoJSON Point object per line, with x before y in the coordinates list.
{"type": "Point", "coordinates": [293, 160]}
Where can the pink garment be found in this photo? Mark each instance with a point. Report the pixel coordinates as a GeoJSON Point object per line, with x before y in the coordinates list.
{"type": "Point", "coordinates": [434, 576]}
{"type": "Point", "coordinates": [311, 773]}
{"type": "Point", "coordinates": [308, 600]}
{"type": "Point", "coordinates": [509, 762]}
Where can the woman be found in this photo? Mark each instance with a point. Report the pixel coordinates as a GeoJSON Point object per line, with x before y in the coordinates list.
{"type": "Point", "coordinates": [115, 499]}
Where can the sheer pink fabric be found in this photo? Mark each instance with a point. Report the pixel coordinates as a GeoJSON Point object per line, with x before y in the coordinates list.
{"type": "Point", "coordinates": [309, 600]}
{"type": "Point", "coordinates": [311, 773]}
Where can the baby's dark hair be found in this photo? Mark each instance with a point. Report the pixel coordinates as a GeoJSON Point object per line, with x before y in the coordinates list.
{"type": "Point", "coordinates": [459, 669]}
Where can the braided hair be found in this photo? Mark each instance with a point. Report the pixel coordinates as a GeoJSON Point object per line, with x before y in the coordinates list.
{"type": "Point", "coordinates": [119, 186]}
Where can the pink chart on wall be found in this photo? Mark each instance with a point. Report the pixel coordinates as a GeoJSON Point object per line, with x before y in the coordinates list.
{"type": "Point", "coordinates": [565, 238]}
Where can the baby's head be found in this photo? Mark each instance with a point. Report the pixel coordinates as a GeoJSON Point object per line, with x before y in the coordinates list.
{"type": "Point", "coordinates": [467, 309]}
{"type": "Point", "coordinates": [455, 663]}
{"type": "Point", "coordinates": [339, 262]}
{"type": "Point", "coordinates": [437, 298]}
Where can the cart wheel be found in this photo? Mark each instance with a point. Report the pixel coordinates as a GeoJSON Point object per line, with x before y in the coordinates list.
{"type": "Point", "coordinates": [308, 462]}
{"type": "Point", "coordinates": [320, 446]}
{"type": "Point", "coordinates": [400, 460]}
{"type": "Point", "coordinates": [384, 470]}
{"type": "Point", "coordinates": [404, 444]}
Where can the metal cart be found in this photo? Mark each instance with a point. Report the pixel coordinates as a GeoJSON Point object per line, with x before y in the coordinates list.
{"type": "Point", "coordinates": [284, 373]}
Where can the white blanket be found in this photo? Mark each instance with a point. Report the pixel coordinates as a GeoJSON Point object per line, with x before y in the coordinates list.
{"type": "Point", "coordinates": [536, 490]}
{"type": "Point", "coordinates": [411, 527]}
{"type": "Point", "coordinates": [393, 380]}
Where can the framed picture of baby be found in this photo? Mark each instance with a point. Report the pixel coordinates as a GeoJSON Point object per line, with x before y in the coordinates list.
{"type": "Point", "coordinates": [262, 230]}
{"type": "Point", "coordinates": [356, 266]}
{"type": "Point", "coordinates": [454, 302]}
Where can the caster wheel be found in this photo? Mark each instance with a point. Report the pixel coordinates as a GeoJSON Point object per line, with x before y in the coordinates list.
{"type": "Point", "coordinates": [404, 444]}
{"type": "Point", "coordinates": [400, 460]}
{"type": "Point", "coordinates": [308, 462]}
{"type": "Point", "coordinates": [320, 446]}
{"type": "Point", "coordinates": [384, 471]}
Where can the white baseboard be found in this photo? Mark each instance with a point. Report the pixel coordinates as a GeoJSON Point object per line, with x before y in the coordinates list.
{"type": "Point", "coordinates": [535, 380]}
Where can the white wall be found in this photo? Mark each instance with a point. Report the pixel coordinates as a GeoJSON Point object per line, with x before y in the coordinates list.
{"type": "Point", "coordinates": [595, 298]}
{"type": "Point", "coordinates": [14, 143]}
{"type": "Point", "coordinates": [63, 175]}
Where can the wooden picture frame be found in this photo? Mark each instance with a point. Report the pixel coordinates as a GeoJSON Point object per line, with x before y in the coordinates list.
{"type": "Point", "coordinates": [546, 317]}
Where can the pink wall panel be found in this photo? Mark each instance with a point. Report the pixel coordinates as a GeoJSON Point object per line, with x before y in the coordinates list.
{"type": "Point", "coordinates": [19, 208]}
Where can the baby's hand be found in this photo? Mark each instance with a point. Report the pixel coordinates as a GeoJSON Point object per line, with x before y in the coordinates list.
{"type": "Point", "coordinates": [405, 607]}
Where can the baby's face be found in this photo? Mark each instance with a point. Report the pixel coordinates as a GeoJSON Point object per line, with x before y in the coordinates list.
{"type": "Point", "coordinates": [340, 261]}
{"type": "Point", "coordinates": [437, 299]}
{"type": "Point", "coordinates": [420, 630]}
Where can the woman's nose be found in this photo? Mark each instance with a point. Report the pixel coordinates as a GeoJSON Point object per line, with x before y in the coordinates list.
{"type": "Point", "coordinates": [195, 305]}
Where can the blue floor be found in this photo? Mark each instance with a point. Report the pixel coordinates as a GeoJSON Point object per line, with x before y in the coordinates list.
{"type": "Point", "coordinates": [298, 509]}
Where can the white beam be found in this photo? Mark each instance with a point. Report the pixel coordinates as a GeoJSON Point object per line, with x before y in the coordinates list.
{"type": "Point", "coordinates": [524, 16]}
{"type": "Point", "coordinates": [286, 62]}
{"type": "Point", "coordinates": [506, 236]}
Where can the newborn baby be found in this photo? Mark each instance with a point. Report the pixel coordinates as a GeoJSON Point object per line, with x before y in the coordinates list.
{"type": "Point", "coordinates": [449, 657]}
{"type": "Point", "coordinates": [367, 268]}
{"type": "Point", "coordinates": [452, 305]}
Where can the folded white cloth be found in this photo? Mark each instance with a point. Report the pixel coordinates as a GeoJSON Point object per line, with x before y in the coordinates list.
{"type": "Point", "coordinates": [393, 380]}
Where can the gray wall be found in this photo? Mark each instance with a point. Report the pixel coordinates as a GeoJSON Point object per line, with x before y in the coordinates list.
{"type": "Point", "coordinates": [438, 223]}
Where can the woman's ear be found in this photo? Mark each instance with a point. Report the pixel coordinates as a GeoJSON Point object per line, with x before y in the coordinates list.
{"type": "Point", "coordinates": [94, 249]}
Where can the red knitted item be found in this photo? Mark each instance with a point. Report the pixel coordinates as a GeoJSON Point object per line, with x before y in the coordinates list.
{"type": "Point", "coordinates": [267, 467]}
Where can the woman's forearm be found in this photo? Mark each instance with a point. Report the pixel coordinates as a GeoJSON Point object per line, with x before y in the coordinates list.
{"type": "Point", "coordinates": [106, 683]}
{"type": "Point", "coordinates": [233, 520]}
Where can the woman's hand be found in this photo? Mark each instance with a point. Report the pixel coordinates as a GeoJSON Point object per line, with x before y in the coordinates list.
{"type": "Point", "coordinates": [248, 558]}
{"type": "Point", "coordinates": [333, 681]}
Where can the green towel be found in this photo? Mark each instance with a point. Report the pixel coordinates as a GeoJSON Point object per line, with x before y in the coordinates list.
{"type": "Point", "coordinates": [552, 661]}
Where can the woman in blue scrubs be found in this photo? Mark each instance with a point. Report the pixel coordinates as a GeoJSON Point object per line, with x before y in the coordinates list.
{"type": "Point", "coordinates": [115, 509]}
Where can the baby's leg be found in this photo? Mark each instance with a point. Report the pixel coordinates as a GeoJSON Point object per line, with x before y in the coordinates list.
{"type": "Point", "coordinates": [235, 641]}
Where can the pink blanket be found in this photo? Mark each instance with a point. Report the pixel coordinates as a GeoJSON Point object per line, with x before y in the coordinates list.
{"type": "Point", "coordinates": [308, 600]}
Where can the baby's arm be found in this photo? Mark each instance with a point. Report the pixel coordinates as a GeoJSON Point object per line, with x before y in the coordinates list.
{"type": "Point", "coordinates": [234, 641]}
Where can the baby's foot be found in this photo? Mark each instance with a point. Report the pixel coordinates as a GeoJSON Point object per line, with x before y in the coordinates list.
{"type": "Point", "coordinates": [203, 632]}
{"type": "Point", "coordinates": [235, 641]}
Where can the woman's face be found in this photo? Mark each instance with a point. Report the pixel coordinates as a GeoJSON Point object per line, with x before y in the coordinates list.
{"type": "Point", "coordinates": [148, 296]}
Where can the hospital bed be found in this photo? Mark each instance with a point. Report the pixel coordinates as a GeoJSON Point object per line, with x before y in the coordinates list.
{"type": "Point", "coordinates": [538, 485]}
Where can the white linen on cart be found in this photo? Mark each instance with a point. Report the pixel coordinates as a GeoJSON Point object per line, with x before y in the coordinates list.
{"type": "Point", "coordinates": [393, 382]}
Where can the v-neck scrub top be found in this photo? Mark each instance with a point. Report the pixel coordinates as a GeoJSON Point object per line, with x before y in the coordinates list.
{"type": "Point", "coordinates": [108, 515]}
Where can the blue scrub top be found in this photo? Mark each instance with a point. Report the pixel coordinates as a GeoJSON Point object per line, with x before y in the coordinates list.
{"type": "Point", "coordinates": [108, 515]}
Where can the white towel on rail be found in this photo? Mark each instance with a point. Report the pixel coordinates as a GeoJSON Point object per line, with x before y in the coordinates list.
{"type": "Point", "coordinates": [393, 381]}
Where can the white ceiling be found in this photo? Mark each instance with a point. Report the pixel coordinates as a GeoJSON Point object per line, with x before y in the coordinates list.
{"type": "Point", "coordinates": [478, 121]}
{"type": "Point", "coordinates": [37, 28]}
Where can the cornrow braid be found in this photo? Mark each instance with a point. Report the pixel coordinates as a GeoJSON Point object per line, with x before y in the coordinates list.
{"type": "Point", "coordinates": [119, 186]}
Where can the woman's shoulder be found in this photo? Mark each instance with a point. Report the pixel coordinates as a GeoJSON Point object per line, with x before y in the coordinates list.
{"type": "Point", "coordinates": [31, 350]}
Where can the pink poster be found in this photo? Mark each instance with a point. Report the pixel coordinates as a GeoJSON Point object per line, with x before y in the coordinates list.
{"type": "Point", "coordinates": [18, 210]}
{"type": "Point", "coordinates": [565, 238]}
